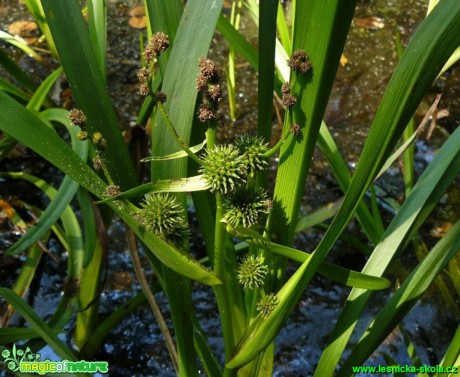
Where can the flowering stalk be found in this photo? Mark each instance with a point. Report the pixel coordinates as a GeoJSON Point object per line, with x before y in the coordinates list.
{"type": "Point", "coordinates": [177, 137]}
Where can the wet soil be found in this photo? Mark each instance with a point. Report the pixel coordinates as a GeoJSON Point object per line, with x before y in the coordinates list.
{"type": "Point", "coordinates": [136, 346]}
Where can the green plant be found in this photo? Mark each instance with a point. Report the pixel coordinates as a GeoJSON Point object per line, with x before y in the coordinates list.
{"type": "Point", "coordinates": [228, 182]}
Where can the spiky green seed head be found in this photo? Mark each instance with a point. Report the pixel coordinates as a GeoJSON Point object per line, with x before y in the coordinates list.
{"type": "Point", "coordinates": [267, 304]}
{"type": "Point", "coordinates": [245, 206]}
{"type": "Point", "coordinates": [253, 148]}
{"type": "Point", "coordinates": [164, 216]}
{"type": "Point", "coordinates": [252, 272]}
{"type": "Point", "coordinates": [224, 168]}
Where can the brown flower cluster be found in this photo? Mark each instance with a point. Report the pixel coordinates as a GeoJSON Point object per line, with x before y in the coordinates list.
{"type": "Point", "coordinates": [289, 99]}
{"type": "Point", "coordinates": [158, 44]}
{"type": "Point", "coordinates": [299, 62]}
{"type": "Point", "coordinates": [207, 83]}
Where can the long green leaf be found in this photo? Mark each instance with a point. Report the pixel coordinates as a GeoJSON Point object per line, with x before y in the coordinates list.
{"type": "Point", "coordinates": [16, 72]}
{"type": "Point", "coordinates": [192, 41]}
{"type": "Point", "coordinates": [97, 20]}
{"type": "Point", "coordinates": [196, 183]}
{"type": "Point", "coordinates": [451, 356]}
{"type": "Point", "coordinates": [332, 271]}
{"type": "Point", "coordinates": [82, 70]}
{"type": "Point", "coordinates": [16, 334]}
{"type": "Point", "coordinates": [29, 130]}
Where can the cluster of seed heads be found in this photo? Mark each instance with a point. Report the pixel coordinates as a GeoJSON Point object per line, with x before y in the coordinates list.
{"type": "Point", "coordinates": [207, 83]}
{"type": "Point", "coordinates": [158, 44]}
{"type": "Point", "coordinates": [300, 62]}
{"type": "Point", "coordinates": [78, 118]}
{"type": "Point", "coordinates": [252, 272]}
{"type": "Point", "coordinates": [164, 216]}
{"type": "Point", "coordinates": [289, 99]}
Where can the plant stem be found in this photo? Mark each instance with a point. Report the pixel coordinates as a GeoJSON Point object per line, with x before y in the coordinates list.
{"type": "Point", "coordinates": [284, 136]}
{"type": "Point", "coordinates": [179, 140]}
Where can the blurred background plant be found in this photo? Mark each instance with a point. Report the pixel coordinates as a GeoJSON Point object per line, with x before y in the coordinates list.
{"type": "Point", "coordinates": [250, 319]}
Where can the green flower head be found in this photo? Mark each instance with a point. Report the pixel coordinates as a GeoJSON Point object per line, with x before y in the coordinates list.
{"type": "Point", "coordinates": [267, 304]}
{"type": "Point", "coordinates": [164, 216]}
{"type": "Point", "coordinates": [6, 353]}
{"type": "Point", "coordinates": [224, 168]}
{"type": "Point", "coordinates": [252, 272]}
{"type": "Point", "coordinates": [245, 206]}
{"type": "Point", "coordinates": [252, 149]}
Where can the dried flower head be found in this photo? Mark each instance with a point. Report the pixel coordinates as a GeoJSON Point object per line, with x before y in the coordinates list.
{"type": "Point", "coordinates": [97, 163]}
{"type": "Point", "coordinates": [267, 304]}
{"type": "Point", "coordinates": [289, 99]}
{"type": "Point", "coordinates": [159, 42]}
{"type": "Point", "coordinates": [299, 62]}
{"type": "Point", "coordinates": [164, 216]}
{"type": "Point", "coordinates": [224, 168]}
{"type": "Point", "coordinates": [159, 97]}
{"type": "Point", "coordinates": [201, 82]}
{"type": "Point", "coordinates": [144, 90]}
{"type": "Point", "coordinates": [208, 70]}
{"type": "Point", "coordinates": [286, 88]}
{"type": "Point", "coordinates": [252, 272]}
{"type": "Point", "coordinates": [150, 54]}
{"type": "Point", "coordinates": [143, 74]}
{"type": "Point", "coordinates": [77, 118]}
{"type": "Point", "coordinates": [205, 113]}
{"type": "Point", "coordinates": [253, 148]}
{"type": "Point", "coordinates": [295, 129]}
{"type": "Point", "coordinates": [112, 190]}
{"type": "Point", "coordinates": [214, 93]}
{"type": "Point", "coordinates": [245, 206]}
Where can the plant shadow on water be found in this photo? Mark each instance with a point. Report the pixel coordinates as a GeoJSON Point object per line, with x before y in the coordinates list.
{"type": "Point", "coordinates": [136, 347]}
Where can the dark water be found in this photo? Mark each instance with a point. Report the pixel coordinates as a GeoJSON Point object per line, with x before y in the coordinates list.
{"type": "Point", "coordinates": [136, 346]}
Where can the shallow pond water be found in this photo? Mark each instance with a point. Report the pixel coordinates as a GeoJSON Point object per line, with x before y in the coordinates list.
{"type": "Point", "coordinates": [136, 347]}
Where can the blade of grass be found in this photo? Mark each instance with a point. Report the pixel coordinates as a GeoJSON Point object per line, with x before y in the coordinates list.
{"type": "Point", "coordinates": [196, 183]}
{"type": "Point", "coordinates": [16, 334]}
{"type": "Point", "coordinates": [192, 41]}
{"type": "Point", "coordinates": [36, 9]}
{"type": "Point", "coordinates": [267, 38]}
{"type": "Point", "coordinates": [16, 72]}
{"type": "Point", "coordinates": [21, 45]}
{"type": "Point", "coordinates": [97, 20]}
